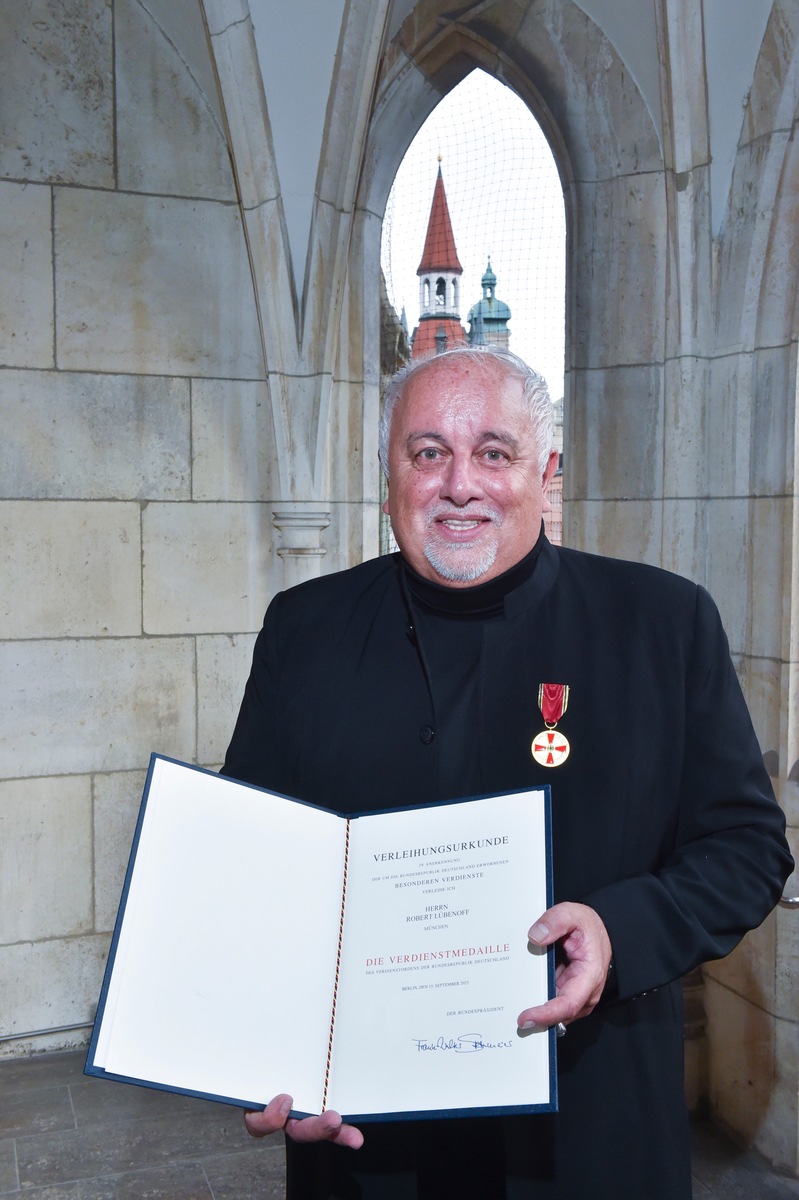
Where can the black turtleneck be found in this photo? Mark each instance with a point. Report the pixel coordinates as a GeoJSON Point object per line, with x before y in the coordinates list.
{"type": "Point", "coordinates": [482, 600]}
{"type": "Point", "coordinates": [450, 625]}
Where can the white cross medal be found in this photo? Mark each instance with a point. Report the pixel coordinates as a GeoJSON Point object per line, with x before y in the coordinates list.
{"type": "Point", "coordinates": [550, 748]}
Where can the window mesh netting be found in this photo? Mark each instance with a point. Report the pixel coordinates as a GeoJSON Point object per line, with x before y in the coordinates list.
{"type": "Point", "coordinates": [505, 203]}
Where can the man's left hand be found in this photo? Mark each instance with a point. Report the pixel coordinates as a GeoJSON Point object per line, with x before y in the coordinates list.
{"type": "Point", "coordinates": [581, 977]}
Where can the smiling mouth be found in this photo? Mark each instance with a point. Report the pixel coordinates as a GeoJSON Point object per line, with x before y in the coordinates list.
{"type": "Point", "coordinates": [462, 523]}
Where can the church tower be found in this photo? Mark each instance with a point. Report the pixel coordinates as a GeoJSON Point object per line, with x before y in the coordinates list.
{"type": "Point", "coordinates": [488, 318]}
{"type": "Point", "coordinates": [439, 274]}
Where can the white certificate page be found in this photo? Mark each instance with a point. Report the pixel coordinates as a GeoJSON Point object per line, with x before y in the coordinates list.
{"type": "Point", "coordinates": [436, 962]}
{"type": "Point", "coordinates": [224, 970]}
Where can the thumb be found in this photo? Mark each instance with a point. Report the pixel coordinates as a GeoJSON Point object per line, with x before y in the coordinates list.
{"type": "Point", "coordinates": [555, 923]}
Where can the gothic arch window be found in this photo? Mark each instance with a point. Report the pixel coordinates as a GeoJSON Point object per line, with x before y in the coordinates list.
{"type": "Point", "coordinates": [427, 293]}
{"type": "Point", "coordinates": [441, 292]}
{"type": "Point", "coordinates": [506, 203]}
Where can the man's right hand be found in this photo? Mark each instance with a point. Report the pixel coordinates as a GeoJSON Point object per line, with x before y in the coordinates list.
{"type": "Point", "coordinates": [329, 1127]}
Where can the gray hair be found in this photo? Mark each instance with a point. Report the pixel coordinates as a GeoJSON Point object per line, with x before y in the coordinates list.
{"type": "Point", "coordinates": [535, 394]}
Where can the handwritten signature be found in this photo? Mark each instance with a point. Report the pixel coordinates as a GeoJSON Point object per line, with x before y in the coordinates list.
{"type": "Point", "coordinates": [465, 1043]}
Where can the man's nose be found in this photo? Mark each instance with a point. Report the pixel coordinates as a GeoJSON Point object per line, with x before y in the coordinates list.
{"type": "Point", "coordinates": [461, 482]}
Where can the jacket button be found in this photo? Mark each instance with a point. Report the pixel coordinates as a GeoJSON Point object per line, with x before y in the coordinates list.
{"type": "Point", "coordinates": [427, 733]}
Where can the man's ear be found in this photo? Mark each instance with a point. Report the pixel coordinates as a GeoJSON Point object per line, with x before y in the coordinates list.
{"type": "Point", "coordinates": [550, 469]}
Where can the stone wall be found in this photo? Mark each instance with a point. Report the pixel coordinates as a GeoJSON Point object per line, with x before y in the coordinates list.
{"type": "Point", "coordinates": [136, 470]}
{"type": "Point", "coordinates": [749, 530]}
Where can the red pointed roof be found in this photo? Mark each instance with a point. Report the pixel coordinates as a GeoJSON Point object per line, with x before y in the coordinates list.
{"type": "Point", "coordinates": [424, 336]}
{"type": "Point", "coordinates": [439, 252]}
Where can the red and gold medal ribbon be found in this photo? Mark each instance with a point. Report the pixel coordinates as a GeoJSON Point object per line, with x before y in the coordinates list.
{"type": "Point", "coordinates": [553, 700]}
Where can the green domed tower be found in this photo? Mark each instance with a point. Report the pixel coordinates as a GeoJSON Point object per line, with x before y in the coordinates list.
{"type": "Point", "coordinates": [488, 318]}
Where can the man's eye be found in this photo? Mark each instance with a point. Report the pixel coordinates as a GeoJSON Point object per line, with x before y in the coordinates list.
{"type": "Point", "coordinates": [429, 454]}
{"type": "Point", "coordinates": [494, 456]}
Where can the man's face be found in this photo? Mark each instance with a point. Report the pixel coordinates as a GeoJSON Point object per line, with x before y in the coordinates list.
{"type": "Point", "coordinates": [465, 492]}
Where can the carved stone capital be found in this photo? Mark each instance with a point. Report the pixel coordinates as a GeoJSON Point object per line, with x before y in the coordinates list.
{"type": "Point", "coordinates": [300, 525]}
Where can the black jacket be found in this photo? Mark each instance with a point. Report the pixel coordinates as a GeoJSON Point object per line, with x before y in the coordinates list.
{"type": "Point", "coordinates": [664, 819]}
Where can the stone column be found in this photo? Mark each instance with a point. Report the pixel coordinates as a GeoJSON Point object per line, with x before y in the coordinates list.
{"type": "Point", "coordinates": [300, 524]}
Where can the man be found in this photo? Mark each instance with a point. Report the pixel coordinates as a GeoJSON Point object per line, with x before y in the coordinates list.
{"type": "Point", "coordinates": [416, 677]}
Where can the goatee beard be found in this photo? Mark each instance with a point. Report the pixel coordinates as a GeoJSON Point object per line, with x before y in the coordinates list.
{"type": "Point", "coordinates": [479, 561]}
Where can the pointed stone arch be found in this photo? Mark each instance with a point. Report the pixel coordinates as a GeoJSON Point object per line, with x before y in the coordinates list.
{"type": "Point", "coordinates": [611, 166]}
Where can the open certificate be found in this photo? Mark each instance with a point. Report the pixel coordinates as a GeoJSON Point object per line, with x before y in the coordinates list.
{"type": "Point", "coordinates": [372, 964]}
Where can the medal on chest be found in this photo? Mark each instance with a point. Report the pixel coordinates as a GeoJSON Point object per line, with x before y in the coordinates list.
{"type": "Point", "coordinates": [550, 748]}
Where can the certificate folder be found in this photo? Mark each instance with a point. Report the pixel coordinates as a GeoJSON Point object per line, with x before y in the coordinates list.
{"type": "Point", "coordinates": [372, 964]}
